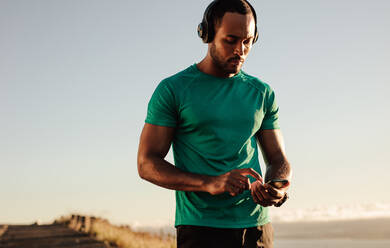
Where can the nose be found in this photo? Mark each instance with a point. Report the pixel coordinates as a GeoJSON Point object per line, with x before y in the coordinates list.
{"type": "Point", "coordinates": [239, 49]}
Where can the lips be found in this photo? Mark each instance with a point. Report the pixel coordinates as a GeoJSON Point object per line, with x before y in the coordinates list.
{"type": "Point", "coordinates": [236, 60]}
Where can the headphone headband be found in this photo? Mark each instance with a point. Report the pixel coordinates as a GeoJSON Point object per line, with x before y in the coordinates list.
{"type": "Point", "coordinates": [206, 28]}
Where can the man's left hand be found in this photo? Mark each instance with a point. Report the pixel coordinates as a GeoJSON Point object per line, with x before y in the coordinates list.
{"type": "Point", "coordinates": [266, 195]}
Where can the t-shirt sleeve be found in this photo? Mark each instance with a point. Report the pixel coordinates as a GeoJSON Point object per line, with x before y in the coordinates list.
{"type": "Point", "coordinates": [271, 117]}
{"type": "Point", "coordinates": [162, 109]}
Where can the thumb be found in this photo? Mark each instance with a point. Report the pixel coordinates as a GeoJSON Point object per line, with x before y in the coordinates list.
{"type": "Point", "coordinates": [251, 172]}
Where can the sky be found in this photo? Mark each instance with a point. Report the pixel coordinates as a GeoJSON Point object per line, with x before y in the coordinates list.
{"type": "Point", "coordinates": [76, 78]}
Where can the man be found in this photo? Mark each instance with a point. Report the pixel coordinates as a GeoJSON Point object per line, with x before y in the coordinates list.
{"type": "Point", "coordinates": [214, 114]}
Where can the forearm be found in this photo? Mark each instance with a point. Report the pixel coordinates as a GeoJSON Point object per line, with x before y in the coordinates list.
{"type": "Point", "coordinates": [279, 168]}
{"type": "Point", "coordinates": [160, 172]}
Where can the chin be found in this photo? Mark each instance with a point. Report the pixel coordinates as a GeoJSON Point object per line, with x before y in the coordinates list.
{"type": "Point", "coordinates": [234, 69]}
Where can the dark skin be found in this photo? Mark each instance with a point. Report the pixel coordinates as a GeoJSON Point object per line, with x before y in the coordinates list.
{"type": "Point", "coordinates": [154, 145]}
{"type": "Point", "coordinates": [277, 166]}
{"type": "Point", "coordinates": [230, 47]}
{"type": "Point", "coordinates": [226, 54]}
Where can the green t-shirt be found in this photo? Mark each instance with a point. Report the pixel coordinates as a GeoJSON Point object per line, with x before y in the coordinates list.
{"type": "Point", "coordinates": [216, 120]}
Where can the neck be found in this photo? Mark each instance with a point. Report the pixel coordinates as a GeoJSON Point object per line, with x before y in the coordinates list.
{"type": "Point", "coordinates": [208, 66]}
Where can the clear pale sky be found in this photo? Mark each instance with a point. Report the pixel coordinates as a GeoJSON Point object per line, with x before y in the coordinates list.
{"type": "Point", "coordinates": [76, 77]}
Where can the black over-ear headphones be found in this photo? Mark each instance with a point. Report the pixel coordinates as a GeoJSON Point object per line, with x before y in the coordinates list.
{"type": "Point", "coordinates": [206, 29]}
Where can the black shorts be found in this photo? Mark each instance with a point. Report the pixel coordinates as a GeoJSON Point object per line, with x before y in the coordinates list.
{"type": "Point", "coordinates": [205, 237]}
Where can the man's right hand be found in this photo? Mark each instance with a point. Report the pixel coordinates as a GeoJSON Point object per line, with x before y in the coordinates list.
{"type": "Point", "coordinates": [234, 182]}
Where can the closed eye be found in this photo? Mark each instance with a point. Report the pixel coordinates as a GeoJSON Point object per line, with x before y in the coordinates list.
{"type": "Point", "coordinates": [231, 41]}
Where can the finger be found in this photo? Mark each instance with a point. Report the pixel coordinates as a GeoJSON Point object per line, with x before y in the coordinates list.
{"type": "Point", "coordinates": [258, 197]}
{"type": "Point", "coordinates": [233, 191]}
{"type": "Point", "coordinates": [230, 190]}
{"type": "Point", "coordinates": [263, 202]}
{"type": "Point", "coordinates": [255, 198]}
{"type": "Point", "coordinates": [262, 193]}
{"type": "Point", "coordinates": [238, 184]}
{"type": "Point", "coordinates": [238, 191]}
{"type": "Point", "coordinates": [243, 180]}
{"type": "Point", "coordinates": [238, 187]}
{"type": "Point", "coordinates": [274, 192]}
{"type": "Point", "coordinates": [239, 175]}
{"type": "Point", "coordinates": [251, 172]}
{"type": "Point", "coordinates": [267, 197]}
{"type": "Point", "coordinates": [256, 190]}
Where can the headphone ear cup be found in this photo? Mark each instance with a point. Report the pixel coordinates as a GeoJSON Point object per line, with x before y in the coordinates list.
{"type": "Point", "coordinates": [256, 36]}
{"type": "Point", "coordinates": [203, 31]}
{"type": "Point", "coordinates": [200, 30]}
{"type": "Point", "coordinates": [204, 27]}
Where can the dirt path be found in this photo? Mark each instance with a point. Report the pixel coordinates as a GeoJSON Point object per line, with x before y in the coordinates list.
{"type": "Point", "coordinates": [45, 236]}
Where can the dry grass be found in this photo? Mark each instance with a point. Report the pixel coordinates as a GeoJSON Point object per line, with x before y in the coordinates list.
{"type": "Point", "coordinates": [124, 237]}
{"type": "Point", "coordinates": [3, 228]}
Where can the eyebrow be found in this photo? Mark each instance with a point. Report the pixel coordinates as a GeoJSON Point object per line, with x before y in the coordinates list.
{"type": "Point", "coordinates": [237, 37]}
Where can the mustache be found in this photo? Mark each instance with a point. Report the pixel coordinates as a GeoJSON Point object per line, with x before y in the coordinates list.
{"type": "Point", "coordinates": [236, 58]}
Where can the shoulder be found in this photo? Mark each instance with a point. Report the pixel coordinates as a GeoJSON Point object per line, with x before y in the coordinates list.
{"type": "Point", "coordinates": [179, 79]}
{"type": "Point", "coordinates": [256, 82]}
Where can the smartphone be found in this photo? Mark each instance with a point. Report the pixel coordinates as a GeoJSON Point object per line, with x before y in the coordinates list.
{"type": "Point", "coordinates": [278, 183]}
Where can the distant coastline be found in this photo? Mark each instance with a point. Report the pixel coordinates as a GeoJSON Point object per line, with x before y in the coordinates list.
{"type": "Point", "coordinates": [378, 228]}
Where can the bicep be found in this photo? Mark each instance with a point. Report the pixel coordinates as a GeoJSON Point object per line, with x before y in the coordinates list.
{"type": "Point", "coordinates": [155, 141]}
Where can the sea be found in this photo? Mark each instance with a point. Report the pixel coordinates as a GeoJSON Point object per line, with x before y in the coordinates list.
{"type": "Point", "coordinates": [331, 243]}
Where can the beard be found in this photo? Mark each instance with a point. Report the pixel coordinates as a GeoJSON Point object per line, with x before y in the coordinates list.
{"type": "Point", "coordinates": [223, 64]}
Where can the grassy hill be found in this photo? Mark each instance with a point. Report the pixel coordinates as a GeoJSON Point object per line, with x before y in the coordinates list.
{"type": "Point", "coordinates": [121, 236]}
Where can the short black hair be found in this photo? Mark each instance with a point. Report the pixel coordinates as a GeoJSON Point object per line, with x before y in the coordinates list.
{"type": "Point", "coordinates": [223, 6]}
